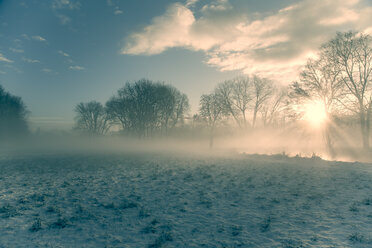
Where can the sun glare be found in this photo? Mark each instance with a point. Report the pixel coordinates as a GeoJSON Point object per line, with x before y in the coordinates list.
{"type": "Point", "coordinates": [315, 114]}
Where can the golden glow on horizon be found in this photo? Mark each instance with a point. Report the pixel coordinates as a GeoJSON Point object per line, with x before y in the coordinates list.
{"type": "Point", "coordinates": [315, 114]}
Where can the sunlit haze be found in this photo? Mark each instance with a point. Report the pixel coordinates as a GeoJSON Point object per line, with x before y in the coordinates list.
{"type": "Point", "coordinates": [185, 123]}
{"type": "Point", "coordinates": [55, 54]}
{"type": "Point", "coordinates": [315, 114]}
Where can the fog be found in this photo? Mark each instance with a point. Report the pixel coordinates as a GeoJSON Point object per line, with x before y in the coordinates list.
{"type": "Point", "coordinates": [294, 141]}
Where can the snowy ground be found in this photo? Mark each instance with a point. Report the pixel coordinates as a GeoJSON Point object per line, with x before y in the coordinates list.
{"type": "Point", "coordinates": [153, 200]}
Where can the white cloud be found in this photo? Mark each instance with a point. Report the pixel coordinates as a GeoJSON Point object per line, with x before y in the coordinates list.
{"type": "Point", "coordinates": [59, 6]}
{"type": "Point", "coordinates": [30, 60]}
{"type": "Point", "coordinates": [76, 68]}
{"type": "Point", "coordinates": [15, 50]}
{"type": "Point", "coordinates": [190, 3]}
{"type": "Point", "coordinates": [118, 12]}
{"type": "Point", "coordinates": [218, 5]}
{"type": "Point", "coordinates": [65, 4]}
{"type": "Point", "coordinates": [273, 45]}
{"type": "Point", "coordinates": [38, 38]}
{"type": "Point", "coordinates": [4, 59]}
{"type": "Point", "coordinates": [63, 53]}
{"type": "Point", "coordinates": [170, 30]}
{"type": "Point", "coordinates": [2, 72]}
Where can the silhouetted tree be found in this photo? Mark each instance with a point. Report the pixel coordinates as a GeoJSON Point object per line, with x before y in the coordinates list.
{"type": "Point", "coordinates": [145, 107]}
{"type": "Point", "coordinates": [13, 114]}
{"type": "Point", "coordinates": [212, 111]}
{"type": "Point", "coordinates": [91, 118]}
{"type": "Point", "coordinates": [350, 56]}
{"type": "Point", "coordinates": [320, 82]}
{"type": "Point", "coordinates": [181, 107]}
{"type": "Point", "coordinates": [262, 91]}
{"type": "Point", "coordinates": [273, 111]}
{"type": "Point", "coordinates": [235, 96]}
{"type": "Point", "coordinates": [224, 94]}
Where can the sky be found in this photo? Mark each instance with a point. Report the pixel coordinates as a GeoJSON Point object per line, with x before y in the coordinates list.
{"type": "Point", "coordinates": [55, 54]}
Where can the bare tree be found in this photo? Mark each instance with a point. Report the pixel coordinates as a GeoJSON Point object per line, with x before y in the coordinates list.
{"type": "Point", "coordinates": [320, 82]}
{"type": "Point", "coordinates": [224, 94]}
{"type": "Point", "coordinates": [242, 95]}
{"type": "Point", "coordinates": [350, 55]}
{"type": "Point", "coordinates": [235, 96]}
{"type": "Point", "coordinates": [181, 108]}
{"type": "Point", "coordinates": [145, 107]}
{"type": "Point", "coordinates": [273, 110]}
{"type": "Point", "coordinates": [13, 115]}
{"type": "Point", "coordinates": [262, 91]}
{"type": "Point", "coordinates": [211, 110]}
{"type": "Point", "coordinates": [119, 112]}
{"type": "Point", "coordinates": [91, 118]}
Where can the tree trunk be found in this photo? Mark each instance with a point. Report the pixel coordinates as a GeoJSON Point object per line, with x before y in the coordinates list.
{"type": "Point", "coordinates": [244, 119]}
{"type": "Point", "coordinates": [211, 138]}
{"type": "Point", "coordinates": [329, 142]}
{"type": "Point", "coordinates": [254, 117]}
{"type": "Point", "coordinates": [368, 123]}
{"type": "Point", "coordinates": [364, 130]}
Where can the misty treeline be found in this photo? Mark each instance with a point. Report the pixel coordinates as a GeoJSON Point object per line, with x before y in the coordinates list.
{"type": "Point", "coordinates": [13, 116]}
{"type": "Point", "coordinates": [339, 76]}
{"type": "Point", "coordinates": [241, 102]}
{"type": "Point", "coordinates": [143, 108]}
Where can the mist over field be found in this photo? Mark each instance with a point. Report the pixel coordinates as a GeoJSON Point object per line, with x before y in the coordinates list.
{"type": "Point", "coordinates": [215, 123]}
{"type": "Point", "coordinates": [270, 142]}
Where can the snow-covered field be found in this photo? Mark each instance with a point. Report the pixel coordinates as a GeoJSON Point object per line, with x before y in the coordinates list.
{"type": "Point", "coordinates": [153, 200]}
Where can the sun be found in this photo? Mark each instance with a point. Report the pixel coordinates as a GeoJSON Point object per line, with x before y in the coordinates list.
{"type": "Point", "coordinates": [315, 114]}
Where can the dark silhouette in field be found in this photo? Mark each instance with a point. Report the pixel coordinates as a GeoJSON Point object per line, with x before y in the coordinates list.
{"type": "Point", "coordinates": [13, 115]}
{"type": "Point", "coordinates": [145, 108]}
{"type": "Point", "coordinates": [91, 118]}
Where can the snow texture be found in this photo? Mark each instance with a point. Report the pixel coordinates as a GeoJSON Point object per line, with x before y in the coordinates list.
{"type": "Point", "coordinates": [152, 200]}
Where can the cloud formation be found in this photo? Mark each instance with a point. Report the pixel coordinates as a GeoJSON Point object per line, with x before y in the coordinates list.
{"type": "Point", "coordinates": [76, 68]}
{"type": "Point", "coordinates": [15, 50]}
{"type": "Point", "coordinates": [61, 7]}
{"type": "Point", "coordinates": [30, 60]}
{"type": "Point", "coordinates": [118, 12]}
{"type": "Point", "coordinates": [38, 38]}
{"type": "Point", "coordinates": [63, 53]}
{"type": "Point", "coordinates": [66, 4]}
{"type": "Point", "coordinates": [274, 45]}
{"type": "Point", "coordinates": [4, 59]}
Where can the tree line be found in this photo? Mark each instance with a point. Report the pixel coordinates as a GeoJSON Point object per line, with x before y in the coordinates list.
{"type": "Point", "coordinates": [339, 77]}
{"type": "Point", "coordinates": [143, 108]}
{"type": "Point", "coordinates": [13, 116]}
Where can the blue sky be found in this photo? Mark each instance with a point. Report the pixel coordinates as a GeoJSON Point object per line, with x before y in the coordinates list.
{"type": "Point", "coordinates": [55, 54]}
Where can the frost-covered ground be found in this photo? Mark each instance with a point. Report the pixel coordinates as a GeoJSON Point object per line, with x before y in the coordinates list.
{"type": "Point", "coordinates": [153, 200]}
